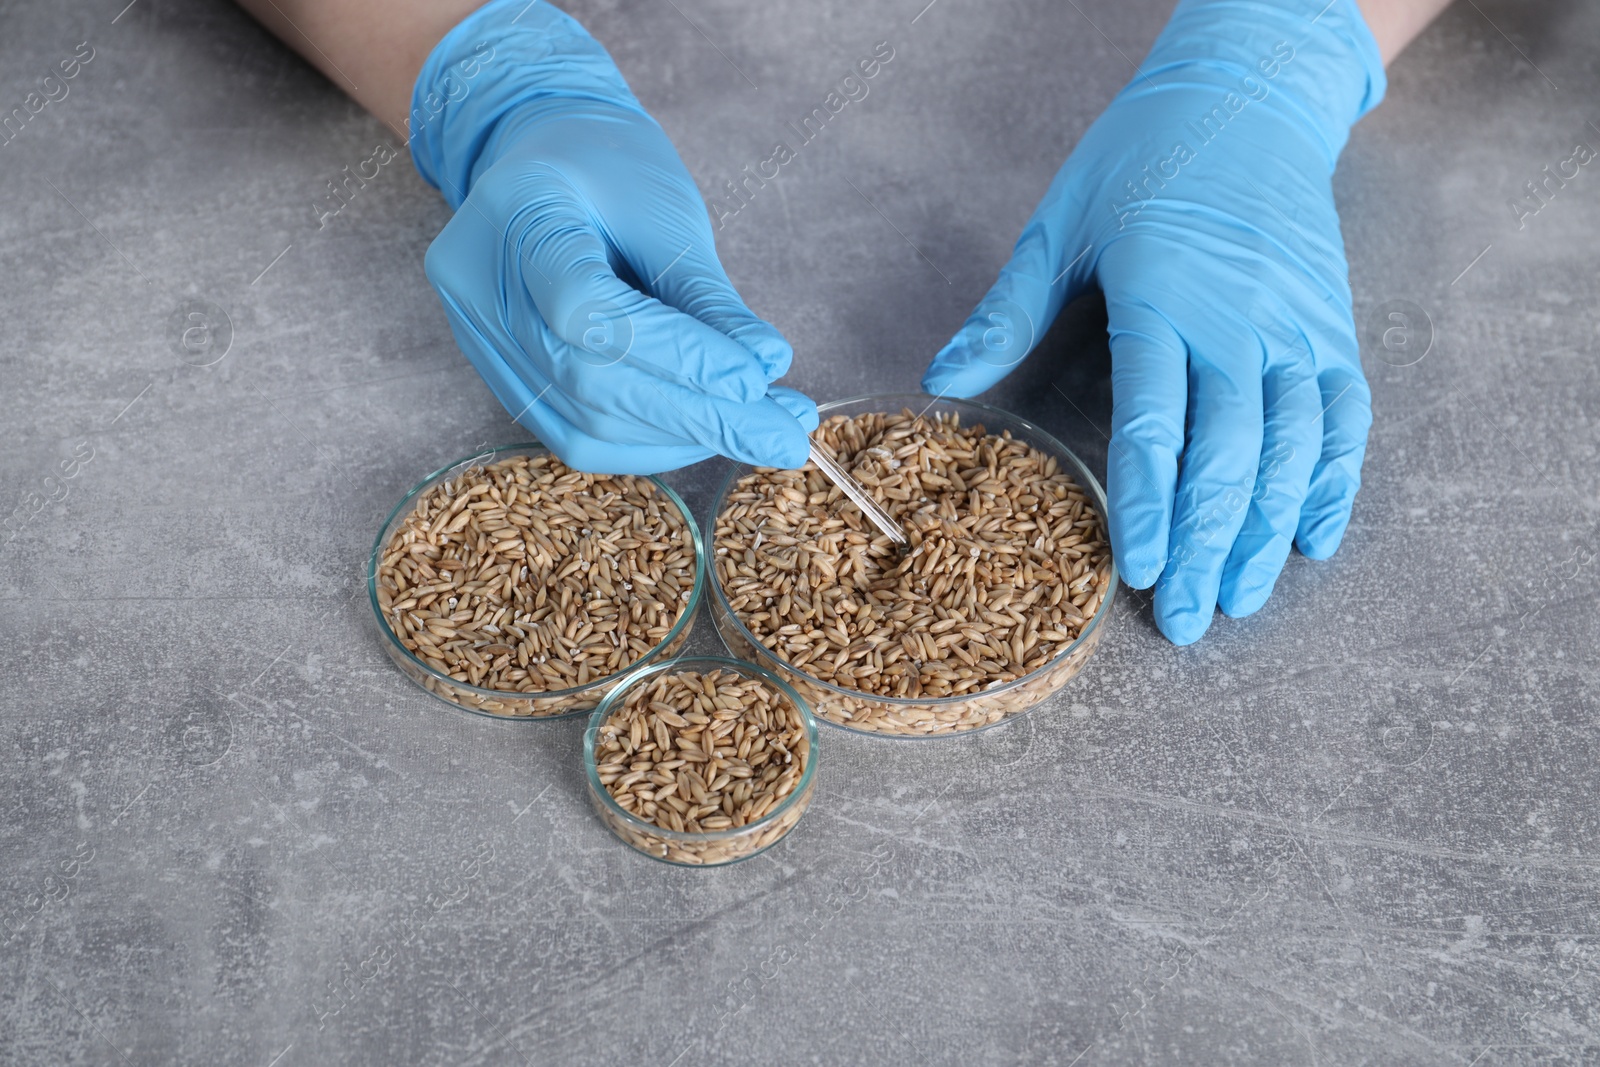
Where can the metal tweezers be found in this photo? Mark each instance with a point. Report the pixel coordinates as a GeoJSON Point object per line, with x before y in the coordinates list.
{"type": "Point", "coordinates": [858, 495]}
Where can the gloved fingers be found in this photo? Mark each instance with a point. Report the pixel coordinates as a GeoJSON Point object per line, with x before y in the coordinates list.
{"type": "Point", "coordinates": [534, 402]}
{"type": "Point", "coordinates": [690, 278]}
{"type": "Point", "coordinates": [1013, 315]}
{"type": "Point", "coordinates": [467, 265]}
{"type": "Point", "coordinates": [565, 268]}
{"type": "Point", "coordinates": [1291, 441]}
{"type": "Point", "coordinates": [1346, 418]}
{"type": "Point", "coordinates": [1150, 394]}
{"type": "Point", "coordinates": [763, 433]}
{"type": "Point", "coordinates": [584, 452]}
{"type": "Point", "coordinates": [652, 219]}
{"type": "Point", "coordinates": [618, 401]}
{"type": "Point", "coordinates": [591, 439]}
{"type": "Point", "coordinates": [796, 403]}
{"type": "Point", "coordinates": [1219, 465]}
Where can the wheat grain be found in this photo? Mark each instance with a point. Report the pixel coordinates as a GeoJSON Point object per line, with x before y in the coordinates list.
{"type": "Point", "coordinates": [703, 753]}
{"type": "Point", "coordinates": [526, 577]}
{"type": "Point", "coordinates": [1007, 563]}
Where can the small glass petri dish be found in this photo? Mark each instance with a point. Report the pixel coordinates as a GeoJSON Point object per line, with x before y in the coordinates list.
{"type": "Point", "coordinates": [517, 704]}
{"type": "Point", "coordinates": [713, 848]}
{"type": "Point", "coordinates": [920, 717]}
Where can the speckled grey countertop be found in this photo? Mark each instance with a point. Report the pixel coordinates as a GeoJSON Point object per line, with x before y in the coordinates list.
{"type": "Point", "coordinates": [1357, 828]}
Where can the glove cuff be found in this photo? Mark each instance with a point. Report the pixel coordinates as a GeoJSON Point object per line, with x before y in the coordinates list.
{"type": "Point", "coordinates": [502, 56]}
{"type": "Point", "coordinates": [1317, 58]}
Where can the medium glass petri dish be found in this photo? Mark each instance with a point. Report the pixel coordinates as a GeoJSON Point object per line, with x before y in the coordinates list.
{"type": "Point", "coordinates": [921, 717]}
{"type": "Point", "coordinates": [715, 848]}
{"type": "Point", "coordinates": [516, 704]}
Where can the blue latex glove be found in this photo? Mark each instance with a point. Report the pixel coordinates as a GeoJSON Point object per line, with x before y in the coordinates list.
{"type": "Point", "coordinates": [569, 201]}
{"type": "Point", "coordinates": [1240, 413]}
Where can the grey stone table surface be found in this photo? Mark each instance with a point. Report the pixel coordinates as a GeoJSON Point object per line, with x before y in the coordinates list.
{"type": "Point", "coordinates": [1359, 827]}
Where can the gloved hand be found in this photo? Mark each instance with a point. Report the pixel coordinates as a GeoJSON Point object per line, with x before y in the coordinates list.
{"type": "Point", "coordinates": [1201, 203]}
{"type": "Point", "coordinates": [569, 201]}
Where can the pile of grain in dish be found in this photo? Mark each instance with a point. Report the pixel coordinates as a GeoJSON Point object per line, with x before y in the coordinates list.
{"type": "Point", "coordinates": [695, 751]}
{"type": "Point", "coordinates": [528, 576]}
{"type": "Point", "coordinates": [1007, 559]}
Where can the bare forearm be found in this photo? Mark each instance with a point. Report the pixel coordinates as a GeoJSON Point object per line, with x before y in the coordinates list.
{"type": "Point", "coordinates": [1395, 22]}
{"type": "Point", "coordinates": [372, 49]}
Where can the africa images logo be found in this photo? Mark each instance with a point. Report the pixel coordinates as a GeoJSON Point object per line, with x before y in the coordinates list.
{"type": "Point", "coordinates": [852, 88]}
